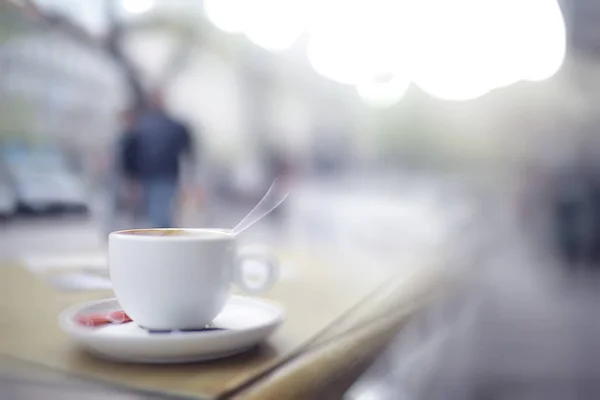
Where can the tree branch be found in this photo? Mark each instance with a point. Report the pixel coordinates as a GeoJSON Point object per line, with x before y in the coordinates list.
{"type": "Point", "coordinates": [53, 19]}
{"type": "Point", "coordinates": [113, 47]}
{"type": "Point", "coordinates": [111, 44]}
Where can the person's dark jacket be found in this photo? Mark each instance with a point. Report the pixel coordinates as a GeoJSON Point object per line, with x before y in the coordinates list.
{"type": "Point", "coordinates": [160, 142]}
{"type": "Point", "coordinates": [128, 155]}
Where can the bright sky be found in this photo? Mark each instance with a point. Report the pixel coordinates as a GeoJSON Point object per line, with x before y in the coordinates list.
{"type": "Point", "coordinates": [462, 51]}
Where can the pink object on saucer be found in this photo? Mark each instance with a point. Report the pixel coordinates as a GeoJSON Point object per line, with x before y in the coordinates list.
{"type": "Point", "coordinates": [98, 319]}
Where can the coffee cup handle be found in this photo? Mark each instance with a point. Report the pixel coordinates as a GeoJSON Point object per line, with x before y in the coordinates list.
{"type": "Point", "coordinates": [269, 263]}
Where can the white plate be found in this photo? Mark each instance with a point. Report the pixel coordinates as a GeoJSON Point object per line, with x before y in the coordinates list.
{"type": "Point", "coordinates": [245, 322]}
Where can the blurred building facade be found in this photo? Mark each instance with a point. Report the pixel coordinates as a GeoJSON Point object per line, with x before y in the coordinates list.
{"type": "Point", "coordinates": [242, 98]}
{"type": "Point", "coordinates": [54, 90]}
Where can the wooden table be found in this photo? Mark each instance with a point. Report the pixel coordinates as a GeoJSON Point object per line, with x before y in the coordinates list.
{"type": "Point", "coordinates": [310, 349]}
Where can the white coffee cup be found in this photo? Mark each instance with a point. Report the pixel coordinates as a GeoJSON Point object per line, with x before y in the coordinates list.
{"type": "Point", "coordinates": [167, 279]}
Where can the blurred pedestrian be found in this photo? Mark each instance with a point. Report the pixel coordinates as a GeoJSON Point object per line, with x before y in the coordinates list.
{"type": "Point", "coordinates": [164, 155]}
{"type": "Point", "coordinates": [562, 202]}
{"type": "Point", "coordinates": [576, 212]}
{"type": "Point", "coordinates": [121, 176]}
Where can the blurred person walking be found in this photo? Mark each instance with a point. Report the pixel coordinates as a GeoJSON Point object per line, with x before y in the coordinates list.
{"type": "Point", "coordinates": [561, 196]}
{"type": "Point", "coordinates": [122, 176]}
{"type": "Point", "coordinates": [162, 156]}
{"type": "Point", "coordinates": [576, 212]}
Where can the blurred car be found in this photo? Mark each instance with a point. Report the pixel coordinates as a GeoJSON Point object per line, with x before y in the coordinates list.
{"type": "Point", "coordinates": [44, 183]}
{"type": "Point", "coordinates": [40, 191]}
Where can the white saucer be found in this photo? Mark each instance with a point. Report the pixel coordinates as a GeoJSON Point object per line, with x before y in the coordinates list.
{"type": "Point", "coordinates": [245, 322]}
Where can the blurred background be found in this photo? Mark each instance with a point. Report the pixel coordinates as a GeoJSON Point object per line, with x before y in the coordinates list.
{"type": "Point", "coordinates": [400, 126]}
{"type": "Point", "coordinates": [394, 120]}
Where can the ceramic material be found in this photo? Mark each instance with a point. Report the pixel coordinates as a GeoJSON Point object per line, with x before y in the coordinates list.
{"type": "Point", "coordinates": [243, 323]}
{"type": "Point", "coordinates": [179, 278]}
